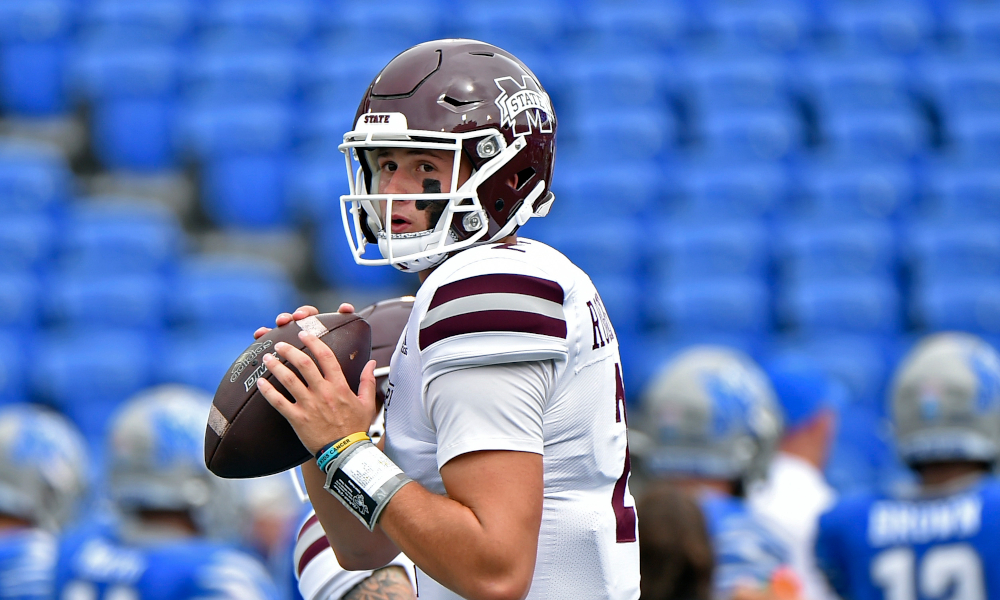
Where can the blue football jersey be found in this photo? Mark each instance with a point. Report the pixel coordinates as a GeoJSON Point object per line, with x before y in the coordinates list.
{"type": "Point", "coordinates": [27, 564]}
{"type": "Point", "coordinates": [895, 547]}
{"type": "Point", "coordinates": [747, 551]}
{"type": "Point", "coordinates": [95, 564]}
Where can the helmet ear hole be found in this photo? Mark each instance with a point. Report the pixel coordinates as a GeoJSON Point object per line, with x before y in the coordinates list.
{"type": "Point", "coordinates": [523, 177]}
{"type": "Point", "coordinates": [498, 204]}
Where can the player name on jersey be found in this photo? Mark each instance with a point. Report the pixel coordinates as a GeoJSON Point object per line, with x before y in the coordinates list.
{"type": "Point", "coordinates": [892, 522]}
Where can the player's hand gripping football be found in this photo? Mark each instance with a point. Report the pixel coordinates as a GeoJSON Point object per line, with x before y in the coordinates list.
{"type": "Point", "coordinates": [325, 408]}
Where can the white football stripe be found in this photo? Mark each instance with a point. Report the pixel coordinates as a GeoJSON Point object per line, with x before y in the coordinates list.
{"type": "Point", "coordinates": [497, 301]}
{"type": "Point", "coordinates": [217, 422]}
{"type": "Point", "coordinates": [313, 326]}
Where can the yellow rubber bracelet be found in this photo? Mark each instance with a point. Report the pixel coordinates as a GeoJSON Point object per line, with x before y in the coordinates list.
{"type": "Point", "coordinates": [333, 449]}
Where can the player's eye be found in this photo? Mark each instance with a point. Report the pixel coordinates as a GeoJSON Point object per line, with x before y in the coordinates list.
{"type": "Point", "coordinates": [388, 165]}
{"type": "Point", "coordinates": [426, 168]}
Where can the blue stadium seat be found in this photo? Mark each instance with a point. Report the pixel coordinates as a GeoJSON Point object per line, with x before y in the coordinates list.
{"type": "Point", "coordinates": [731, 193]}
{"type": "Point", "coordinates": [13, 371]}
{"type": "Point", "coordinates": [601, 247]}
{"type": "Point", "coordinates": [89, 300]}
{"type": "Point", "coordinates": [862, 457]}
{"type": "Point", "coordinates": [243, 153]}
{"type": "Point", "coordinates": [615, 83]}
{"type": "Point", "coordinates": [628, 27]}
{"type": "Point", "coordinates": [26, 243]}
{"type": "Point", "coordinates": [691, 251]}
{"type": "Point", "coordinates": [851, 86]}
{"type": "Point", "coordinates": [967, 305]}
{"type": "Point", "coordinates": [737, 305]}
{"type": "Point", "coordinates": [858, 192]}
{"type": "Point", "coordinates": [960, 194]}
{"type": "Point", "coordinates": [729, 84]}
{"type": "Point", "coordinates": [618, 190]}
{"type": "Point", "coordinates": [132, 94]}
{"type": "Point", "coordinates": [236, 76]}
{"type": "Point", "coordinates": [977, 27]}
{"type": "Point", "coordinates": [229, 292]}
{"type": "Point", "coordinates": [639, 134]}
{"type": "Point", "coordinates": [34, 42]}
{"type": "Point", "coordinates": [759, 27]}
{"type": "Point", "coordinates": [867, 305]}
{"type": "Point", "coordinates": [34, 178]}
{"type": "Point", "coordinates": [940, 253]}
{"type": "Point", "coordinates": [87, 374]}
{"type": "Point", "coordinates": [976, 140]}
{"type": "Point", "coordinates": [201, 359]}
{"type": "Point", "coordinates": [314, 187]}
{"type": "Point", "coordinates": [891, 28]}
{"type": "Point", "coordinates": [538, 26]}
{"type": "Point", "coordinates": [397, 24]}
{"type": "Point", "coordinates": [129, 24]}
{"type": "Point", "coordinates": [259, 24]}
{"type": "Point", "coordinates": [337, 267]}
{"type": "Point", "coordinates": [116, 236]}
{"type": "Point", "coordinates": [20, 294]}
{"type": "Point", "coordinates": [816, 251]}
{"type": "Point", "coordinates": [962, 87]}
{"type": "Point", "coordinates": [876, 139]}
{"type": "Point", "coordinates": [320, 131]}
{"type": "Point", "coordinates": [765, 136]}
{"type": "Point", "coordinates": [338, 82]}
{"type": "Point", "coordinates": [861, 362]}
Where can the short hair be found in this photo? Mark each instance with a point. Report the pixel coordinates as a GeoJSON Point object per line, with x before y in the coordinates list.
{"type": "Point", "coordinates": [676, 560]}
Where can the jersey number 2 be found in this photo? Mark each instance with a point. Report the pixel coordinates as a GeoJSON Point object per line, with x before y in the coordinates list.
{"type": "Point", "coordinates": [624, 515]}
{"type": "Point", "coordinates": [954, 568]}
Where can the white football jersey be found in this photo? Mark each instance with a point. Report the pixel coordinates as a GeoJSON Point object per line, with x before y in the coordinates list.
{"type": "Point", "coordinates": [511, 303]}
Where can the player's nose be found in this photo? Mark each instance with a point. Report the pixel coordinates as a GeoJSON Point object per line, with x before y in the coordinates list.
{"type": "Point", "coordinates": [402, 183]}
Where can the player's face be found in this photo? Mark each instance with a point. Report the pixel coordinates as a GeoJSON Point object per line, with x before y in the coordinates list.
{"type": "Point", "coordinates": [416, 171]}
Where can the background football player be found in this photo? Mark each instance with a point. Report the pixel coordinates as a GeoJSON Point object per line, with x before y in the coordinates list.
{"type": "Point", "coordinates": [43, 477]}
{"type": "Point", "coordinates": [938, 539]}
{"type": "Point", "coordinates": [157, 545]}
{"type": "Point", "coordinates": [506, 403]}
{"type": "Point", "coordinates": [713, 423]}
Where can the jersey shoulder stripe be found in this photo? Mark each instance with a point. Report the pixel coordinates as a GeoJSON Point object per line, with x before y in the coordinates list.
{"type": "Point", "coordinates": [502, 302]}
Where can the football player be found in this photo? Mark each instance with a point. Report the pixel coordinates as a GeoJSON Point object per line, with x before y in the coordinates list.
{"type": "Point", "coordinates": [713, 422]}
{"type": "Point", "coordinates": [43, 466]}
{"type": "Point", "coordinates": [940, 538]}
{"type": "Point", "coordinates": [504, 469]}
{"type": "Point", "coordinates": [157, 546]}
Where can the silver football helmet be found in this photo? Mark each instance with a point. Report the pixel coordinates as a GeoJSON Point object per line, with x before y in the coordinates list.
{"type": "Point", "coordinates": [43, 465]}
{"type": "Point", "coordinates": [711, 413]}
{"type": "Point", "coordinates": [156, 459]}
{"type": "Point", "coordinates": [946, 401]}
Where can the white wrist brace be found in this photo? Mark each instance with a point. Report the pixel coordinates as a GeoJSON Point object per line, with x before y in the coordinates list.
{"type": "Point", "coordinates": [364, 480]}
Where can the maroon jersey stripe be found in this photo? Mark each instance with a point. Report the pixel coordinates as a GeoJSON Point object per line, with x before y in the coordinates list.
{"type": "Point", "coordinates": [315, 548]}
{"type": "Point", "coordinates": [492, 320]}
{"type": "Point", "coordinates": [498, 283]}
{"type": "Point", "coordinates": [309, 523]}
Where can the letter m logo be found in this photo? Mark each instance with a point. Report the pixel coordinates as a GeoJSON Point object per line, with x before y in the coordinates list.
{"type": "Point", "coordinates": [523, 98]}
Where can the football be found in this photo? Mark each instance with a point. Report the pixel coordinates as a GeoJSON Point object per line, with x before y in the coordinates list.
{"type": "Point", "coordinates": [245, 435]}
{"type": "Point", "coordinates": [387, 319]}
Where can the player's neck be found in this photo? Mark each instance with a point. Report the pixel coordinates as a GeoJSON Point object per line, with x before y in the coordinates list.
{"type": "Point", "coordinates": [423, 275]}
{"type": "Point", "coordinates": [950, 474]}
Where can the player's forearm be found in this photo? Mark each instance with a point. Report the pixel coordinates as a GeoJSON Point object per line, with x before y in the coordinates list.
{"type": "Point", "coordinates": [477, 560]}
{"type": "Point", "coordinates": [356, 548]}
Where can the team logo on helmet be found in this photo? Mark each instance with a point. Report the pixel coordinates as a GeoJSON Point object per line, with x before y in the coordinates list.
{"type": "Point", "coordinates": [525, 98]}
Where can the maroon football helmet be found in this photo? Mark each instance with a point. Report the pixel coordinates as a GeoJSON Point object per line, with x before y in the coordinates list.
{"type": "Point", "coordinates": [463, 96]}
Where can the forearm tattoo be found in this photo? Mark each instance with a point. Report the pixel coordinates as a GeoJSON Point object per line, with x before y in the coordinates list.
{"type": "Point", "coordinates": [388, 583]}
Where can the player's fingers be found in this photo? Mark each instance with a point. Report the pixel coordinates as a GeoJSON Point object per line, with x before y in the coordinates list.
{"type": "Point", "coordinates": [282, 373]}
{"type": "Point", "coordinates": [366, 390]}
{"type": "Point", "coordinates": [345, 308]}
{"type": "Point", "coordinates": [260, 332]}
{"type": "Point", "coordinates": [304, 311]}
{"type": "Point", "coordinates": [276, 398]}
{"type": "Point", "coordinates": [283, 319]}
{"type": "Point", "coordinates": [326, 361]}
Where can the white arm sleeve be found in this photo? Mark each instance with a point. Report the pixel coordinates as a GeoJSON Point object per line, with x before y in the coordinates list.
{"type": "Point", "coordinates": [493, 407]}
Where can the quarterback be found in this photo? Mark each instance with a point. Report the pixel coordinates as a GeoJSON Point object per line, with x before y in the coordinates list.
{"type": "Point", "coordinates": [503, 473]}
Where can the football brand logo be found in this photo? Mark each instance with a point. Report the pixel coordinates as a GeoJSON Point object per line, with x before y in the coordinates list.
{"type": "Point", "coordinates": [247, 358]}
{"type": "Point", "coordinates": [524, 98]}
